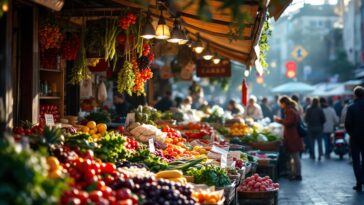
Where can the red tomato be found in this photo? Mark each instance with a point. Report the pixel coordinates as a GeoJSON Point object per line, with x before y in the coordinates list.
{"type": "Point", "coordinates": [122, 194]}
{"type": "Point", "coordinates": [126, 202]}
{"type": "Point", "coordinates": [89, 154]}
{"type": "Point", "coordinates": [108, 168]}
{"type": "Point", "coordinates": [109, 179]}
{"type": "Point", "coordinates": [95, 196]}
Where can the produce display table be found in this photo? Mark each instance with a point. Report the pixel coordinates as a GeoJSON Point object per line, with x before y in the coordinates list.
{"type": "Point", "coordinates": [258, 198]}
{"type": "Point", "coordinates": [268, 166]}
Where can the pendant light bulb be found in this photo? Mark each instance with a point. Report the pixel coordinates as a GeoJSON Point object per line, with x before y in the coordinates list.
{"type": "Point", "coordinates": [148, 31]}
{"type": "Point", "coordinates": [198, 45]}
{"type": "Point", "coordinates": [207, 54]}
{"type": "Point", "coordinates": [216, 59]}
{"type": "Point", "coordinates": [176, 34]}
{"type": "Point", "coordinates": [247, 73]}
{"type": "Point", "coordinates": [162, 31]}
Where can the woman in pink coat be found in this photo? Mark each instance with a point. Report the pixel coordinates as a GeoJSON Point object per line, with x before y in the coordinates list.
{"type": "Point", "coordinates": [292, 141]}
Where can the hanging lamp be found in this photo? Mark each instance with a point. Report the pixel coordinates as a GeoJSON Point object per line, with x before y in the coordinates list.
{"type": "Point", "coordinates": [176, 34]}
{"type": "Point", "coordinates": [162, 31]}
{"type": "Point", "coordinates": [148, 31]}
{"type": "Point", "coordinates": [185, 36]}
{"type": "Point", "coordinates": [216, 59]}
{"type": "Point", "coordinates": [207, 53]}
{"type": "Point", "coordinates": [198, 45]}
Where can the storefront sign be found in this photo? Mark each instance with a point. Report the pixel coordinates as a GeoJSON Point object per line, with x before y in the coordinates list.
{"type": "Point", "coordinates": [56, 5]}
{"type": "Point", "coordinates": [209, 69]}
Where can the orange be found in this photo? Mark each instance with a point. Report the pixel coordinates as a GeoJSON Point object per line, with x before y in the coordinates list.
{"type": "Point", "coordinates": [53, 163]}
{"type": "Point", "coordinates": [92, 131]}
{"type": "Point", "coordinates": [91, 124]}
{"type": "Point", "coordinates": [85, 129]}
{"type": "Point", "coordinates": [95, 136]}
{"type": "Point", "coordinates": [55, 173]}
{"type": "Point", "coordinates": [102, 127]}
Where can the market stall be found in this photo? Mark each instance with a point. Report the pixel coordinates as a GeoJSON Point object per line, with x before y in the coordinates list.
{"type": "Point", "coordinates": [72, 65]}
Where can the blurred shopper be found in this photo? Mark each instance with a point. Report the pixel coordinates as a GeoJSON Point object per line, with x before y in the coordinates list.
{"type": "Point", "coordinates": [338, 106]}
{"type": "Point", "coordinates": [178, 101]}
{"type": "Point", "coordinates": [233, 107]}
{"type": "Point", "coordinates": [266, 110]}
{"type": "Point", "coordinates": [165, 103]}
{"type": "Point", "coordinates": [354, 124]}
{"type": "Point", "coordinates": [344, 110]}
{"type": "Point", "coordinates": [253, 110]}
{"type": "Point", "coordinates": [292, 141]}
{"type": "Point", "coordinates": [275, 106]}
{"type": "Point", "coordinates": [298, 105]}
{"type": "Point", "coordinates": [315, 119]}
{"type": "Point", "coordinates": [122, 107]}
{"type": "Point", "coordinates": [307, 104]}
{"type": "Point", "coordinates": [331, 121]}
{"type": "Point", "coordinates": [186, 104]}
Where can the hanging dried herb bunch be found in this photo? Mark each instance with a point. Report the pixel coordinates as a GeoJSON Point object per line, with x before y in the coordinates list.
{"type": "Point", "coordinates": [80, 70]}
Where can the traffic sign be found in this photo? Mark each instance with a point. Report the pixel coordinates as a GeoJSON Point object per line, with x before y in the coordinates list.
{"type": "Point", "coordinates": [299, 53]}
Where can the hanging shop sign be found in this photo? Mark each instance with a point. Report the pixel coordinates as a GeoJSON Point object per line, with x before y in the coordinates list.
{"type": "Point", "coordinates": [56, 5]}
{"type": "Point", "coordinates": [209, 69]}
{"type": "Point", "coordinates": [299, 53]}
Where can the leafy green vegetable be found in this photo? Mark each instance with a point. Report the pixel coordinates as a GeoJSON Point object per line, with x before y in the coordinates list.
{"type": "Point", "coordinates": [210, 175]}
{"type": "Point", "coordinates": [111, 147]}
{"type": "Point", "coordinates": [23, 178]}
{"type": "Point", "coordinates": [154, 163]}
{"type": "Point", "coordinates": [99, 117]}
{"type": "Point", "coordinates": [147, 115]}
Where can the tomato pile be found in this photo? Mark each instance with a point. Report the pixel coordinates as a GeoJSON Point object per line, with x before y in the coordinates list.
{"type": "Point", "coordinates": [131, 144]}
{"type": "Point", "coordinates": [125, 22]}
{"type": "Point", "coordinates": [256, 183]}
{"type": "Point", "coordinates": [50, 36]}
{"type": "Point", "coordinates": [172, 136]}
{"type": "Point", "coordinates": [70, 46]}
{"type": "Point", "coordinates": [49, 109]}
{"type": "Point", "coordinates": [27, 131]}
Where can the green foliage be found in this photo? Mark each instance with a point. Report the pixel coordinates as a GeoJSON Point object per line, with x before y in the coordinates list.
{"type": "Point", "coordinates": [99, 117]}
{"type": "Point", "coordinates": [154, 163]}
{"type": "Point", "coordinates": [23, 178]}
{"type": "Point", "coordinates": [341, 66]}
{"type": "Point", "coordinates": [210, 175]}
{"type": "Point", "coordinates": [147, 115]}
{"type": "Point", "coordinates": [111, 147]}
{"type": "Point", "coordinates": [263, 43]}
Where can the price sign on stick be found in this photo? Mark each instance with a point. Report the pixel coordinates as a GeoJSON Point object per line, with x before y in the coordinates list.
{"type": "Point", "coordinates": [151, 145]}
{"type": "Point", "coordinates": [49, 119]}
{"type": "Point", "coordinates": [224, 160]}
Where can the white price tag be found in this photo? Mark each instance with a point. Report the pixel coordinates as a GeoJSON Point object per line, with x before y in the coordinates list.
{"type": "Point", "coordinates": [219, 150]}
{"type": "Point", "coordinates": [49, 120]}
{"type": "Point", "coordinates": [151, 145]}
{"type": "Point", "coordinates": [223, 160]}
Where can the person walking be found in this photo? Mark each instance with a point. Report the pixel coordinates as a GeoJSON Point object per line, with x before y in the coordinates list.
{"type": "Point", "coordinates": [354, 125]}
{"type": "Point", "coordinates": [298, 105]}
{"type": "Point", "coordinates": [315, 119]}
{"type": "Point", "coordinates": [331, 121]}
{"type": "Point", "coordinates": [165, 103]}
{"type": "Point", "coordinates": [292, 141]}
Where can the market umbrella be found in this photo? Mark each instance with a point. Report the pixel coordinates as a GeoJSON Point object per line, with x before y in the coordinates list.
{"type": "Point", "coordinates": [293, 87]}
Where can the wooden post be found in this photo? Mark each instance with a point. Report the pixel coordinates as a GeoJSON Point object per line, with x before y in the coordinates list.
{"type": "Point", "coordinates": [6, 92]}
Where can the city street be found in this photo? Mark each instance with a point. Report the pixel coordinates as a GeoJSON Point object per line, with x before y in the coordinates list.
{"type": "Point", "coordinates": [328, 182]}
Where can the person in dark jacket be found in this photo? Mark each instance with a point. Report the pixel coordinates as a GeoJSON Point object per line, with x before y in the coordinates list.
{"type": "Point", "coordinates": [354, 125]}
{"type": "Point", "coordinates": [292, 141]}
{"type": "Point", "coordinates": [267, 111]}
{"type": "Point", "coordinates": [165, 103]}
{"type": "Point", "coordinates": [315, 119]}
{"type": "Point", "coordinates": [122, 107]}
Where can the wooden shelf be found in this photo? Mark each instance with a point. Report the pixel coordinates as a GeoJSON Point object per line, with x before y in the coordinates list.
{"type": "Point", "coordinates": [49, 97]}
{"type": "Point", "coordinates": [50, 70]}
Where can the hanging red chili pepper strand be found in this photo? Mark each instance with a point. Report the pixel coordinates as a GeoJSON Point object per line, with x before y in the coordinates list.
{"type": "Point", "coordinates": [244, 93]}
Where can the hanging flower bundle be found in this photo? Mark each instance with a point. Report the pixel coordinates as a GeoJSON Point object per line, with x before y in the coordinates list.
{"type": "Point", "coordinates": [70, 46]}
{"type": "Point", "coordinates": [50, 36]}
{"type": "Point", "coordinates": [138, 57]}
